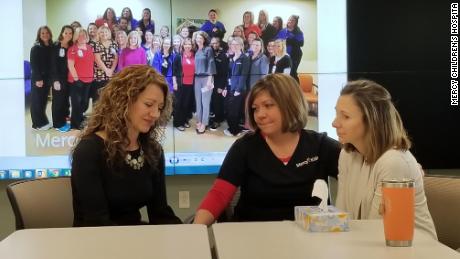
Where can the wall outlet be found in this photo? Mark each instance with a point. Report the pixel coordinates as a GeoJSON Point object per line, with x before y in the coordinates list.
{"type": "Point", "coordinates": [184, 199]}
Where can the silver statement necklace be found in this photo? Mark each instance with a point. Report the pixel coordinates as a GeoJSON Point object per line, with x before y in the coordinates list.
{"type": "Point", "coordinates": [135, 163]}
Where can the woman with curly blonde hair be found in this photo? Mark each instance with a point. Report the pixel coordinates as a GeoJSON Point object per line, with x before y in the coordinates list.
{"type": "Point", "coordinates": [118, 164]}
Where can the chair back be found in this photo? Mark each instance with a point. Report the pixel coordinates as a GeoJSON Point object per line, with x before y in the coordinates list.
{"type": "Point", "coordinates": [227, 215]}
{"type": "Point", "coordinates": [42, 203]}
{"type": "Point", "coordinates": [443, 198]}
{"type": "Point", "coordinates": [306, 82]}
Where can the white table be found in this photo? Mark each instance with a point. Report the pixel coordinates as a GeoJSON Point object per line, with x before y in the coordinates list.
{"type": "Point", "coordinates": [130, 242]}
{"type": "Point", "coordinates": [284, 239]}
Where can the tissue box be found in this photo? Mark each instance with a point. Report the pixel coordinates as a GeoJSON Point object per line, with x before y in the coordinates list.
{"type": "Point", "coordinates": [311, 218]}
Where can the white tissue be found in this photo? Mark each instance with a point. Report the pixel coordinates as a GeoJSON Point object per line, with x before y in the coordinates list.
{"type": "Point", "coordinates": [321, 191]}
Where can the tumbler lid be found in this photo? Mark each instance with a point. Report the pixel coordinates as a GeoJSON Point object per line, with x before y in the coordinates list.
{"type": "Point", "coordinates": [398, 183]}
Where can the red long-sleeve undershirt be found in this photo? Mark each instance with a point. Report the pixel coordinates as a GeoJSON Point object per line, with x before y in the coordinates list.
{"type": "Point", "coordinates": [218, 197]}
{"type": "Point", "coordinates": [221, 194]}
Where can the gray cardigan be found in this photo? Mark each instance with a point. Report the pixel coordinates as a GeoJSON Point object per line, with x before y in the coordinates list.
{"type": "Point", "coordinates": [359, 191]}
{"type": "Point", "coordinates": [204, 62]}
{"type": "Point", "coordinates": [259, 68]}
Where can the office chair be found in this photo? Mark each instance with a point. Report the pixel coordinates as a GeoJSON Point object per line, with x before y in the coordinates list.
{"type": "Point", "coordinates": [42, 203]}
{"type": "Point", "coordinates": [443, 198]}
{"type": "Point", "coordinates": [310, 92]}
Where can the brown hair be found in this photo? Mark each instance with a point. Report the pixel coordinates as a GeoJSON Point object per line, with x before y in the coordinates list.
{"type": "Point", "coordinates": [113, 12]}
{"type": "Point", "coordinates": [382, 122]}
{"type": "Point", "coordinates": [130, 17]}
{"type": "Point", "coordinates": [280, 22]}
{"type": "Point", "coordinates": [205, 39]}
{"type": "Point", "coordinates": [60, 38]}
{"type": "Point", "coordinates": [251, 15]}
{"type": "Point", "coordinates": [286, 92]}
{"type": "Point", "coordinates": [111, 113]}
{"type": "Point", "coordinates": [39, 40]}
{"type": "Point", "coordinates": [188, 40]}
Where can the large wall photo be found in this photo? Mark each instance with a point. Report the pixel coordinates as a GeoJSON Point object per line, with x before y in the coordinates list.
{"type": "Point", "coordinates": [33, 147]}
{"type": "Point", "coordinates": [181, 146]}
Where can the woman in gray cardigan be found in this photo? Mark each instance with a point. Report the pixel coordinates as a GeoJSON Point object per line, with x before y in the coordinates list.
{"type": "Point", "coordinates": [259, 62]}
{"type": "Point", "coordinates": [205, 68]}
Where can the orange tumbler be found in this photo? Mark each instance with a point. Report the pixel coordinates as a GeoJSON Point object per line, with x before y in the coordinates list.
{"type": "Point", "coordinates": [398, 216]}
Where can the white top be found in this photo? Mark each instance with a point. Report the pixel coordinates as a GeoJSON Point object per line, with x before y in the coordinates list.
{"type": "Point", "coordinates": [284, 239]}
{"type": "Point", "coordinates": [147, 241]}
{"type": "Point", "coordinates": [359, 188]}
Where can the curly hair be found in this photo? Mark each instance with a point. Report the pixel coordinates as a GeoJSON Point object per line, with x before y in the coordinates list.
{"type": "Point", "coordinates": [110, 114]}
{"type": "Point", "coordinates": [205, 37]}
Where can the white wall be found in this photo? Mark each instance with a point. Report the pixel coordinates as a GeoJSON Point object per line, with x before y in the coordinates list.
{"type": "Point", "coordinates": [332, 60]}
{"type": "Point", "coordinates": [33, 16]}
{"type": "Point", "coordinates": [12, 141]}
{"type": "Point", "coordinates": [27, 16]}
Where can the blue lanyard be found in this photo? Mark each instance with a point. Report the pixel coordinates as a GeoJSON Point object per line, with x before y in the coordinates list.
{"type": "Point", "coordinates": [234, 64]}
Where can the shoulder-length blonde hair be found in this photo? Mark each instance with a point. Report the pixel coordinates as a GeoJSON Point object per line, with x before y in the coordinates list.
{"type": "Point", "coordinates": [283, 47]}
{"type": "Point", "coordinates": [238, 40]}
{"type": "Point", "coordinates": [384, 128]}
{"type": "Point", "coordinates": [136, 34]}
{"type": "Point", "coordinates": [77, 33]}
{"type": "Point", "coordinates": [286, 92]}
{"type": "Point", "coordinates": [267, 20]}
{"type": "Point", "coordinates": [110, 114]}
{"type": "Point", "coordinates": [104, 28]}
{"type": "Point", "coordinates": [241, 29]}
